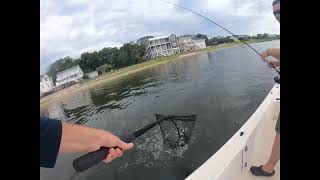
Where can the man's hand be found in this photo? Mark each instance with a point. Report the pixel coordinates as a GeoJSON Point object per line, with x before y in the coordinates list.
{"type": "Point", "coordinates": [275, 53]}
{"type": "Point", "coordinates": [264, 55]}
{"type": "Point", "coordinates": [273, 64]}
{"type": "Point", "coordinates": [111, 141]}
{"type": "Point", "coordinates": [76, 138]}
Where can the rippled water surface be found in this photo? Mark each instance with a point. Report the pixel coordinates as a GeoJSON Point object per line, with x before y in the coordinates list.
{"type": "Point", "coordinates": [223, 88]}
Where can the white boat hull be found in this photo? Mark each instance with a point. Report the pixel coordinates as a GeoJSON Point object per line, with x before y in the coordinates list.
{"type": "Point", "coordinates": [234, 159]}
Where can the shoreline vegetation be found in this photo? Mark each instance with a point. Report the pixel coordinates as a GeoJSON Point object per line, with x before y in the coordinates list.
{"type": "Point", "coordinates": [135, 68]}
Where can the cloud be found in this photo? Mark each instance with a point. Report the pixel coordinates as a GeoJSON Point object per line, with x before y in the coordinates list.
{"type": "Point", "coordinates": [71, 27]}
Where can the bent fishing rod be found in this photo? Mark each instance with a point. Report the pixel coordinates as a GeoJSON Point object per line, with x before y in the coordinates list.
{"type": "Point", "coordinates": [196, 13]}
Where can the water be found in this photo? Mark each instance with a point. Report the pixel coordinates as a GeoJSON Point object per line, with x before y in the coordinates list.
{"type": "Point", "coordinates": [224, 88]}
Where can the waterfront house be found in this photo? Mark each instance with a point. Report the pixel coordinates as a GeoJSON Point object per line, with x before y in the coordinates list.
{"type": "Point", "coordinates": [46, 84]}
{"type": "Point", "coordinates": [191, 43]}
{"type": "Point", "coordinates": [162, 46]}
{"type": "Point", "coordinates": [69, 76]}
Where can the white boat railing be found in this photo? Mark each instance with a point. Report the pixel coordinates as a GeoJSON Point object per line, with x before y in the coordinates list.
{"type": "Point", "coordinates": [250, 145]}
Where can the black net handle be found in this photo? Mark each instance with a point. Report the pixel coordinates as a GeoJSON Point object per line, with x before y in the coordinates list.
{"type": "Point", "coordinates": [88, 160]}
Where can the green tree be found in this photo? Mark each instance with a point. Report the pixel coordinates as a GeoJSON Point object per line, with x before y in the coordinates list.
{"type": "Point", "coordinates": [85, 76]}
{"type": "Point", "coordinates": [129, 54]}
{"type": "Point", "coordinates": [104, 68]}
{"type": "Point", "coordinates": [89, 61]}
{"type": "Point", "coordinates": [202, 36]}
{"type": "Point", "coordinates": [123, 58]}
{"type": "Point", "coordinates": [108, 55]}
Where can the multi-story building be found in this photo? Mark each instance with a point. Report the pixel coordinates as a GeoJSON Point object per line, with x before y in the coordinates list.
{"type": "Point", "coordinates": [162, 46]}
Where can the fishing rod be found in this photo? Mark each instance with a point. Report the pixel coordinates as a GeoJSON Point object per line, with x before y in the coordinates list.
{"type": "Point", "coordinates": [220, 27]}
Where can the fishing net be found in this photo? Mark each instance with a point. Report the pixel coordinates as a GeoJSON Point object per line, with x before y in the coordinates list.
{"type": "Point", "coordinates": [176, 130]}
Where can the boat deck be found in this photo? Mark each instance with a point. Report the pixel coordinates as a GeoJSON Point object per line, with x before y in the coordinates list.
{"type": "Point", "coordinates": [263, 150]}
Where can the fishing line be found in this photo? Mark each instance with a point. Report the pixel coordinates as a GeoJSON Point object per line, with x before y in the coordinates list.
{"type": "Point", "coordinates": [196, 13]}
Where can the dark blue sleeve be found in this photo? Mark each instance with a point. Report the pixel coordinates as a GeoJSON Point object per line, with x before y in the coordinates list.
{"type": "Point", "coordinates": [50, 137]}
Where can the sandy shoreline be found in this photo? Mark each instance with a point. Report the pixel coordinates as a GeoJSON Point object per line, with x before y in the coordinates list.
{"type": "Point", "coordinates": [124, 72]}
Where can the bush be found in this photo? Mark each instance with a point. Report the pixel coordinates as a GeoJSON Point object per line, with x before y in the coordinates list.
{"type": "Point", "coordinates": [104, 68]}
{"type": "Point", "coordinates": [85, 76]}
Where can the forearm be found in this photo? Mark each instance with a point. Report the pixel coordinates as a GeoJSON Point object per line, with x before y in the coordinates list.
{"type": "Point", "coordinates": [60, 137]}
{"type": "Point", "coordinates": [76, 138]}
{"type": "Point", "coordinates": [274, 52]}
{"type": "Point", "coordinates": [50, 137]}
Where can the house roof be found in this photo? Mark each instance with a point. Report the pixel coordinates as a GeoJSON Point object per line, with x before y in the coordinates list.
{"type": "Point", "coordinates": [187, 35]}
{"type": "Point", "coordinates": [159, 37]}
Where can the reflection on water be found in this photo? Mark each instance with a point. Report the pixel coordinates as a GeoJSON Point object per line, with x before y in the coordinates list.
{"type": "Point", "coordinates": [223, 88]}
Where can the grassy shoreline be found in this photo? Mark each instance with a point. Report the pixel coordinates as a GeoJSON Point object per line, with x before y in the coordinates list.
{"type": "Point", "coordinates": [133, 69]}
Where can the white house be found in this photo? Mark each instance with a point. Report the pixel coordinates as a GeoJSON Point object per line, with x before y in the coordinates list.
{"type": "Point", "coordinates": [92, 74]}
{"type": "Point", "coordinates": [162, 46]}
{"type": "Point", "coordinates": [71, 75]}
{"type": "Point", "coordinates": [191, 43]}
{"type": "Point", "coordinates": [185, 43]}
{"type": "Point", "coordinates": [199, 43]}
{"type": "Point", "coordinates": [46, 84]}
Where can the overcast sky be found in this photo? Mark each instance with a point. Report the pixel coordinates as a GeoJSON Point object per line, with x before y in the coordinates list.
{"type": "Point", "coordinates": [71, 27]}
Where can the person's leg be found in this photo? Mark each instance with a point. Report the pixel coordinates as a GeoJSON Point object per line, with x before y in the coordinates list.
{"type": "Point", "coordinates": [274, 156]}
{"type": "Point", "coordinates": [268, 168]}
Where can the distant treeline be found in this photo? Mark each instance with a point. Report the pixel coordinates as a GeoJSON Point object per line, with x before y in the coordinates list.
{"type": "Point", "coordinates": [103, 61]}
{"type": "Point", "coordinates": [114, 58]}
{"type": "Point", "coordinates": [229, 39]}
